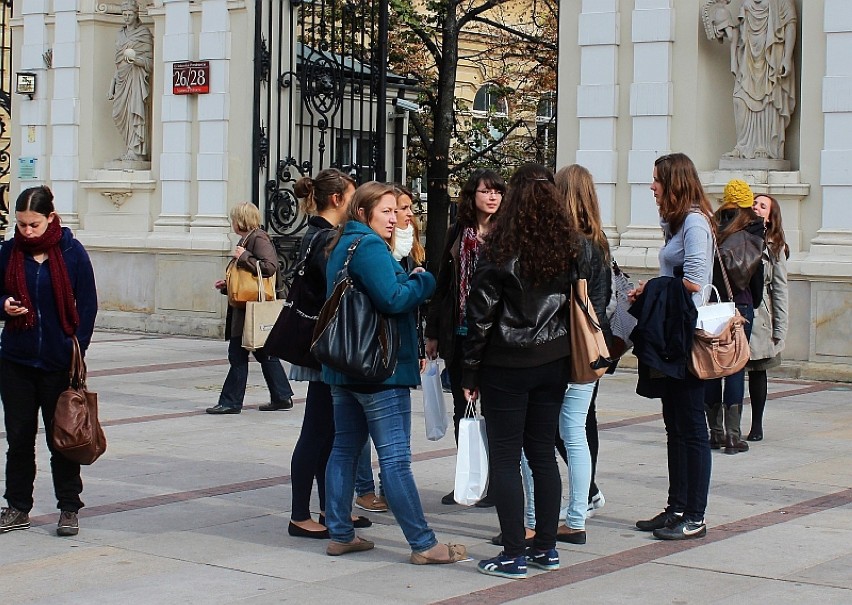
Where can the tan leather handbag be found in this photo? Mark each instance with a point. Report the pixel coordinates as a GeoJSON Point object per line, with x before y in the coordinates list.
{"type": "Point", "coordinates": [244, 286]}
{"type": "Point", "coordinates": [589, 353]}
{"type": "Point", "coordinates": [76, 430]}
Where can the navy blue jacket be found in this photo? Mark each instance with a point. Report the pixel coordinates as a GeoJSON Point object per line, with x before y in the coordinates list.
{"type": "Point", "coordinates": [662, 339]}
{"type": "Point", "coordinates": [46, 346]}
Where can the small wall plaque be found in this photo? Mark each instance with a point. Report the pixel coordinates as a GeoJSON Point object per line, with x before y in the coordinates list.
{"type": "Point", "coordinates": [191, 78]}
{"type": "Point", "coordinates": [27, 169]}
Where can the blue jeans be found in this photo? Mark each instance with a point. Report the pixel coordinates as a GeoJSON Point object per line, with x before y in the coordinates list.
{"type": "Point", "coordinates": [234, 389]}
{"type": "Point", "coordinates": [572, 429]}
{"type": "Point", "coordinates": [734, 385]}
{"type": "Point", "coordinates": [385, 416]}
{"type": "Point", "coordinates": [364, 483]}
{"type": "Point", "coordinates": [687, 446]}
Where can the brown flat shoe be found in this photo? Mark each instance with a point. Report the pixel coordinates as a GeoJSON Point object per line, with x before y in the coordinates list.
{"type": "Point", "coordinates": [341, 548]}
{"type": "Point", "coordinates": [457, 553]}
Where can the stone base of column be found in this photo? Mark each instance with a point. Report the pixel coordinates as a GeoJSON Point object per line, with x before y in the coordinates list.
{"type": "Point", "coordinates": [118, 201]}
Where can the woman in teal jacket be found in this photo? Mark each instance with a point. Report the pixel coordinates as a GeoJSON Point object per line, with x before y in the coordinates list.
{"type": "Point", "coordinates": [382, 411]}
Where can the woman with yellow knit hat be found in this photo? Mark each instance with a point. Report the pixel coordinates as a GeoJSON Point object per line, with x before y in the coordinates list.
{"type": "Point", "coordinates": [735, 215]}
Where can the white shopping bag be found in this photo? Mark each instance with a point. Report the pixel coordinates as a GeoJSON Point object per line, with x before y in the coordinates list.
{"type": "Point", "coordinates": [472, 460]}
{"type": "Point", "coordinates": [434, 408]}
{"type": "Point", "coordinates": [713, 317]}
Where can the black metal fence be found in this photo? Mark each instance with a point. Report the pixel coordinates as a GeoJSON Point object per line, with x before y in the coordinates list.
{"type": "Point", "coordinates": [319, 101]}
{"type": "Point", "coordinates": [5, 109]}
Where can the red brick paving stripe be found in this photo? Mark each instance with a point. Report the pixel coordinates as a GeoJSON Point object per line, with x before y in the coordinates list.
{"type": "Point", "coordinates": [647, 553]}
{"type": "Point", "coordinates": [156, 367]}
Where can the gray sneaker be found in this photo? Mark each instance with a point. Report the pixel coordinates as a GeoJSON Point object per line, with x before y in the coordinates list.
{"type": "Point", "coordinates": [68, 525]}
{"type": "Point", "coordinates": [12, 519]}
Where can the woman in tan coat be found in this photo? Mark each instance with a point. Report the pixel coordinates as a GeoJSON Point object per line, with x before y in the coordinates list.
{"type": "Point", "coordinates": [255, 246]}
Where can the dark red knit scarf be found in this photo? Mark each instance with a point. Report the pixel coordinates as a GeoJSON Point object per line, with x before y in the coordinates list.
{"type": "Point", "coordinates": [16, 279]}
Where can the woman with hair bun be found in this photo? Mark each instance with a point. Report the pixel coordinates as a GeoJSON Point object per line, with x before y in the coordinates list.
{"type": "Point", "coordinates": [325, 198]}
{"type": "Point", "coordinates": [48, 296]}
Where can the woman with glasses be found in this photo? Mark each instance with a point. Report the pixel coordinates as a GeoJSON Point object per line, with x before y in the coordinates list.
{"type": "Point", "coordinates": [446, 320]}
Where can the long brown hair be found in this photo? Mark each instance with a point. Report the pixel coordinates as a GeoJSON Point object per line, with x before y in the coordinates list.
{"type": "Point", "coordinates": [776, 241]}
{"type": "Point", "coordinates": [682, 190]}
{"type": "Point", "coordinates": [532, 224]}
{"type": "Point", "coordinates": [577, 186]}
{"type": "Point", "coordinates": [742, 217]}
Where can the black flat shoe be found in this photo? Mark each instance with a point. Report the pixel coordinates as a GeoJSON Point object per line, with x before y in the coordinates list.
{"type": "Point", "coordinates": [276, 406]}
{"type": "Point", "coordinates": [486, 502]}
{"type": "Point", "coordinates": [300, 532]}
{"type": "Point", "coordinates": [449, 498]}
{"type": "Point", "coordinates": [221, 409]}
{"type": "Point", "coordinates": [755, 437]}
{"type": "Point", "coordinates": [359, 523]}
{"type": "Point", "coordinates": [564, 534]}
{"type": "Point", "coordinates": [498, 540]}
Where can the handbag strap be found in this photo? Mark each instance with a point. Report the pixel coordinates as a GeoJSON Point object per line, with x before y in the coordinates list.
{"type": "Point", "coordinates": [77, 373]}
{"type": "Point", "coordinates": [261, 295]}
{"type": "Point", "coordinates": [719, 258]}
{"type": "Point", "coordinates": [584, 306]}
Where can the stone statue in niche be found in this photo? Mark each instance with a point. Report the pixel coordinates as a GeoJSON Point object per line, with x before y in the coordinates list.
{"type": "Point", "coordinates": [130, 91]}
{"type": "Point", "coordinates": [762, 39]}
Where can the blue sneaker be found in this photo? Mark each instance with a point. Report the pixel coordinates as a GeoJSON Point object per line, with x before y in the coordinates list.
{"type": "Point", "coordinates": [504, 566]}
{"type": "Point", "coordinates": [548, 560]}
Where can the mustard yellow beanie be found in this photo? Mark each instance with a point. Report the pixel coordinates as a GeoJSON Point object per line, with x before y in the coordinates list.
{"type": "Point", "coordinates": [738, 192]}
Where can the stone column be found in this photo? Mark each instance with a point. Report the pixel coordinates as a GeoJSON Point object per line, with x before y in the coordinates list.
{"type": "Point", "coordinates": [597, 102]}
{"type": "Point", "coordinates": [176, 114]}
{"type": "Point", "coordinates": [213, 113]}
{"type": "Point", "coordinates": [64, 110]}
{"type": "Point", "coordinates": [651, 107]}
{"type": "Point", "coordinates": [833, 243]}
{"type": "Point", "coordinates": [34, 112]}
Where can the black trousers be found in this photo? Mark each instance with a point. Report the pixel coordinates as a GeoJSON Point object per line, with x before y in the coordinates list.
{"type": "Point", "coordinates": [521, 408]}
{"type": "Point", "coordinates": [310, 456]}
{"type": "Point", "coordinates": [24, 390]}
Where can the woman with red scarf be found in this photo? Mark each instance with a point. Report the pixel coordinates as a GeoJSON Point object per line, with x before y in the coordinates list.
{"type": "Point", "coordinates": [47, 295]}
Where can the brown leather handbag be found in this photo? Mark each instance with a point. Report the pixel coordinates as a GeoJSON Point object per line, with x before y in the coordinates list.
{"type": "Point", "coordinates": [722, 354]}
{"type": "Point", "coordinates": [589, 353]}
{"type": "Point", "coordinates": [77, 432]}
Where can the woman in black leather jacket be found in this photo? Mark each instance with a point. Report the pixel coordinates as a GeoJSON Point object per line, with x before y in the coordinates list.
{"type": "Point", "coordinates": [516, 355]}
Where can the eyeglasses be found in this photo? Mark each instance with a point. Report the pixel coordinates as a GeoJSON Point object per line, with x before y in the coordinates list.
{"type": "Point", "coordinates": [490, 192]}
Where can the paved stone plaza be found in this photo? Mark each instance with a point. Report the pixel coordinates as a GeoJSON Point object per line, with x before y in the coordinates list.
{"type": "Point", "coordinates": [191, 508]}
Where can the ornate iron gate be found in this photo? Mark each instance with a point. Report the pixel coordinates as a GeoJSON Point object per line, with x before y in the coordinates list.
{"type": "Point", "coordinates": [319, 101]}
{"type": "Point", "coordinates": [5, 109]}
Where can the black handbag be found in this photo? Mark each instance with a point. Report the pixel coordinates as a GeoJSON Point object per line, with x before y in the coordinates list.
{"type": "Point", "coordinates": [291, 337]}
{"type": "Point", "coordinates": [741, 253]}
{"type": "Point", "coordinates": [351, 336]}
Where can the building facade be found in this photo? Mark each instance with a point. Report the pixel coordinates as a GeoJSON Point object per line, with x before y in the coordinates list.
{"type": "Point", "coordinates": [639, 78]}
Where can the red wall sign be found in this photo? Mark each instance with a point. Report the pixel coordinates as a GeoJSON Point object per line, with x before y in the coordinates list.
{"type": "Point", "coordinates": [191, 78]}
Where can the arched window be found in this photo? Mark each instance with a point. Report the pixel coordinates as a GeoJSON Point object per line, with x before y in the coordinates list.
{"type": "Point", "coordinates": [489, 100]}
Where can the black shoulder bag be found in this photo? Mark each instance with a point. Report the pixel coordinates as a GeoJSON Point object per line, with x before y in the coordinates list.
{"type": "Point", "coordinates": [351, 336]}
{"type": "Point", "coordinates": [291, 336]}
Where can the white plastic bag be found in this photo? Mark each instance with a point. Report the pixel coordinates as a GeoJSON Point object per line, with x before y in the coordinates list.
{"type": "Point", "coordinates": [472, 460]}
{"type": "Point", "coordinates": [713, 317]}
{"type": "Point", "coordinates": [434, 408]}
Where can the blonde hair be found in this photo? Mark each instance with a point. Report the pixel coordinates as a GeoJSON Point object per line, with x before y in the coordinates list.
{"type": "Point", "coordinates": [245, 216]}
{"type": "Point", "coordinates": [418, 252]}
{"type": "Point", "coordinates": [577, 186]}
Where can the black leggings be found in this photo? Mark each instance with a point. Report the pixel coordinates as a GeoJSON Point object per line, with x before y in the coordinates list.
{"type": "Point", "coordinates": [757, 390]}
{"type": "Point", "coordinates": [312, 450]}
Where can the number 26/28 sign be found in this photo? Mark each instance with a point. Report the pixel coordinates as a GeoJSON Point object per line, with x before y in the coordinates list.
{"type": "Point", "coordinates": [191, 78]}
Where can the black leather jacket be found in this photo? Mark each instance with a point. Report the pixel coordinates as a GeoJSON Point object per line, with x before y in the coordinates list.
{"type": "Point", "coordinates": [513, 324]}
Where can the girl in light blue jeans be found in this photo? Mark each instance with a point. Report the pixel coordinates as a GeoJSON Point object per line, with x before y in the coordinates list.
{"type": "Point", "coordinates": [572, 429]}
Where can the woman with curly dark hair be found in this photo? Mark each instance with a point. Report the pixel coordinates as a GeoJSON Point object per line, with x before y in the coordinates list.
{"type": "Point", "coordinates": [516, 355]}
